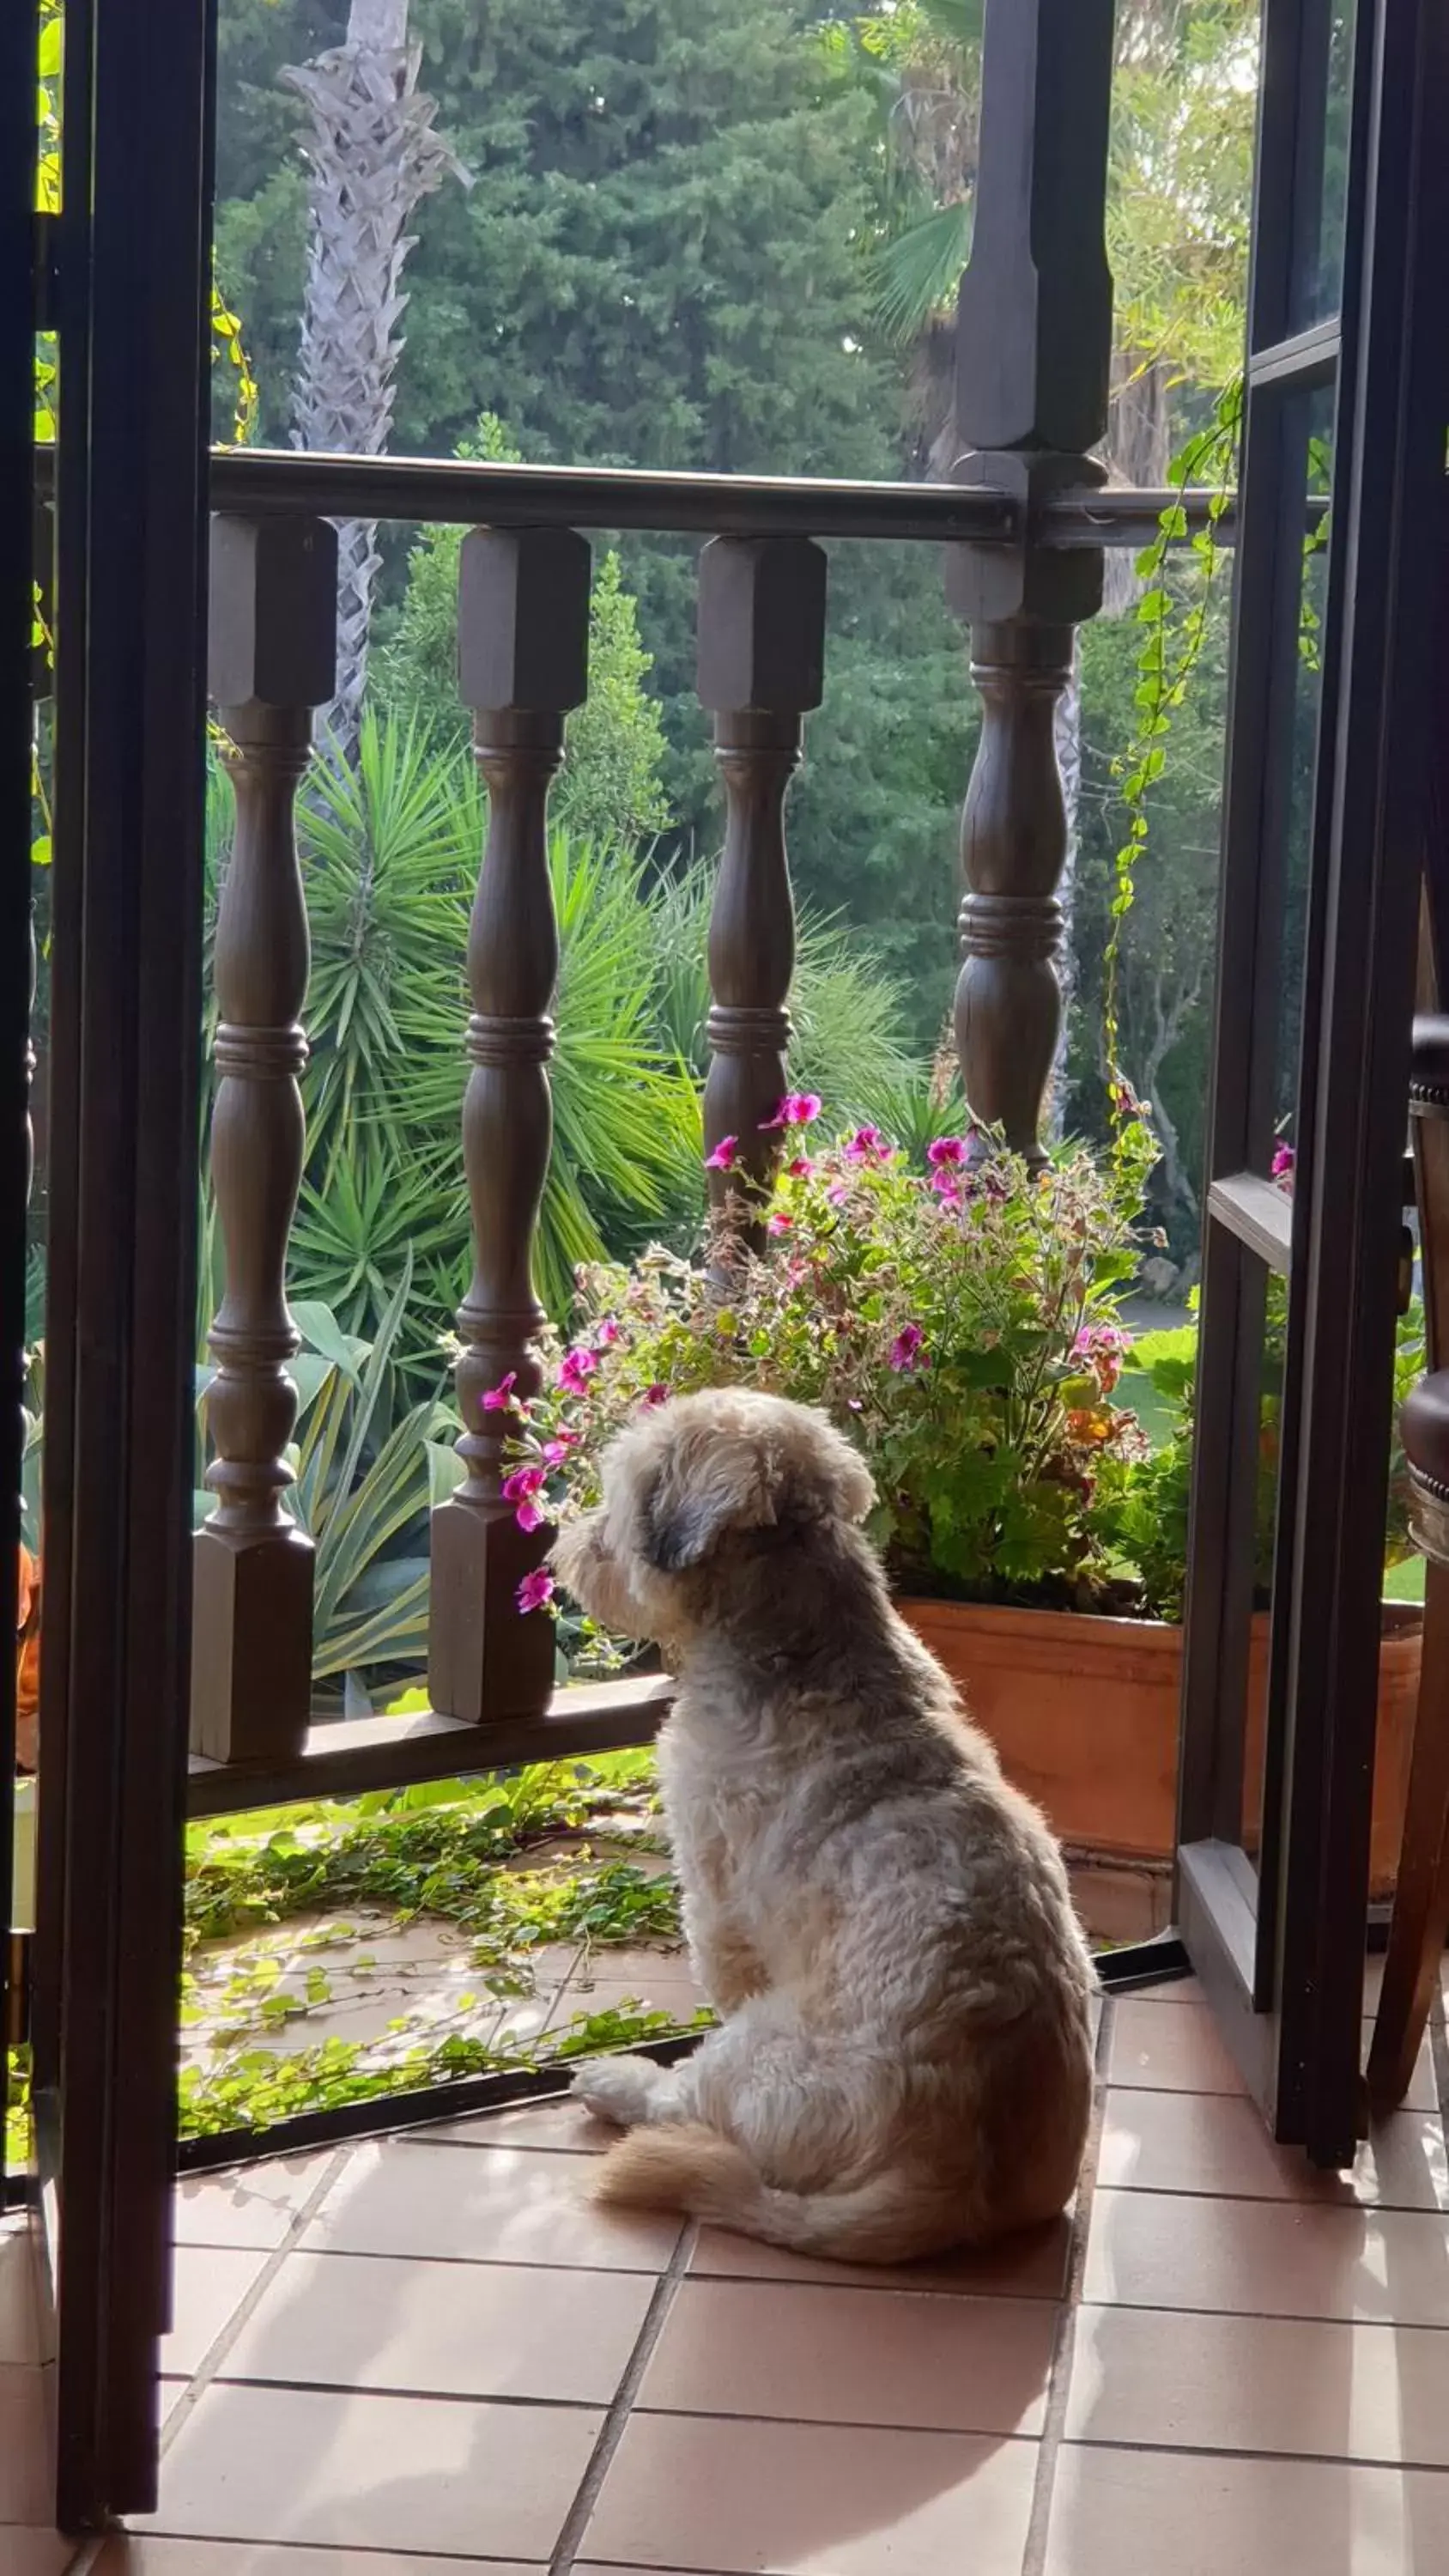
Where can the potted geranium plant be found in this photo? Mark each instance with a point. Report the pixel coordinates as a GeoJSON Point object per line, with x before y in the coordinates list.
{"type": "Point", "coordinates": [963, 1324]}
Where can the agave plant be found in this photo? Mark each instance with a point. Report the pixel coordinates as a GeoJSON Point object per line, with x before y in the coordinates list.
{"type": "Point", "coordinates": [367, 1470]}
{"type": "Point", "coordinates": [365, 1478]}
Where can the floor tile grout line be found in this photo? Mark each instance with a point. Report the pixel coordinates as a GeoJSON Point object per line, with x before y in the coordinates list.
{"type": "Point", "coordinates": [1347, 2199]}
{"type": "Point", "coordinates": [569, 2543]}
{"type": "Point", "coordinates": [905, 2287]}
{"type": "Point", "coordinates": [86, 2552]}
{"type": "Point", "coordinates": [398, 2391]}
{"type": "Point", "coordinates": [1237, 2451]}
{"type": "Point", "coordinates": [210, 2364]}
{"type": "Point", "coordinates": [1263, 2316]}
{"type": "Point", "coordinates": [642, 2270]}
{"type": "Point", "coordinates": [960, 2293]}
{"type": "Point", "coordinates": [1259, 2316]}
{"type": "Point", "coordinates": [1212, 2093]}
{"type": "Point", "coordinates": [361, 2550]}
{"type": "Point", "coordinates": [513, 2402]}
{"type": "Point", "coordinates": [1053, 2431]}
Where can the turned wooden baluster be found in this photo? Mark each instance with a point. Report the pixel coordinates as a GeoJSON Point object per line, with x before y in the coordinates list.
{"type": "Point", "coordinates": [760, 668]}
{"type": "Point", "coordinates": [1033, 368]}
{"type": "Point", "coordinates": [523, 625]}
{"type": "Point", "coordinates": [272, 661]}
{"type": "Point", "coordinates": [1013, 846]}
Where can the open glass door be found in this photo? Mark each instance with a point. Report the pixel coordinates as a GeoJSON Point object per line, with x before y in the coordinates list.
{"type": "Point", "coordinates": [17, 195]}
{"type": "Point", "coordinates": [120, 278]}
{"type": "Point", "coordinates": [1340, 507]}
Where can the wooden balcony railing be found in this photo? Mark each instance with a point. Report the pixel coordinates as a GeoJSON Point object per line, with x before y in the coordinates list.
{"type": "Point", "coordinates": [523, 612]}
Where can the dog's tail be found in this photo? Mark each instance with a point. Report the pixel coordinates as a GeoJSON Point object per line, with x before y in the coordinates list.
{"type": "Point", "coordinates": [892, 2218]}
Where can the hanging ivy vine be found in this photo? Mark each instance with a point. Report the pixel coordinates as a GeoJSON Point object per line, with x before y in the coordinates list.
{"type": "Point", "coordinates": [227, 345]}
{"type": "Point", "coordinates": [1174, 624]}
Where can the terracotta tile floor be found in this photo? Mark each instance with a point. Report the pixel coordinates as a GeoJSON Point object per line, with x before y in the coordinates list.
{"type": "Point", "coordinates": [429, 2350]}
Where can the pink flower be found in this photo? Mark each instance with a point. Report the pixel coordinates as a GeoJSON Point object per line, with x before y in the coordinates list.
{"type": "Point", "coordinates": [519, 1489]}
{"type": "Point", "coordinates": [906, 1350]}
{"type": "Point", "coordinates": [945, 1151]}
{"type": "Point", "coordinates": [1284, 1159]}
{"type": "Point", "coordinates": [556, 1451]}
{"type": "Point", "coordinates": [725, 1157]}
{"type": "Point", "coordinates": [607, 1333]}
{"type": "Point", "coordinates": [498, 1398]}
{"type": "Point", "coordinates": [656, 1394]}
{"type": "Point", "coordinates": [1101, 1337]}
{"type": "Point", "coordinates": [535, 1589]}
{"type": "Point", "coordinates": [578, 1367]}
{"type": "Point", "coordinates": [946, 1187]}
{"type": "Point", "coordinates": [797, 1109]}
{"type": "Point", "coordinates": [779, 1223]}
{"type": "Point", "coordinates": [838, 1193]}
{"type": "Point", "coordinates": [1104, 1348]}
{"type": "Point", "coordinates": [867, 1145]}
{"type": "Point", "coordinates": [801, 1168]}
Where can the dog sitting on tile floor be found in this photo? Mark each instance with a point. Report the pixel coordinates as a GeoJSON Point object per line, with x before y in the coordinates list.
{"type": "Point", "coordinates": [904, 2057]}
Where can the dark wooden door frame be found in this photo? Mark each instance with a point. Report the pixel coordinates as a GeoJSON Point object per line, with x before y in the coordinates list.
{"type": "Point", "coordinates": [17, 332]}
{"type": "Point", "coordinates": [1283, 1956]}
{"type": "Point", "coordinates": [130, 734]}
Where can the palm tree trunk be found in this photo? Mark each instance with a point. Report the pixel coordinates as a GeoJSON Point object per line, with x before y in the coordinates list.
{"type": "Point", "coordinates": [373, 155]}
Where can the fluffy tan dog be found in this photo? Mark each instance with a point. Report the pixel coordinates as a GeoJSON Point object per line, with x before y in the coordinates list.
{"type": "Point", "coordinates": [905, 2057]}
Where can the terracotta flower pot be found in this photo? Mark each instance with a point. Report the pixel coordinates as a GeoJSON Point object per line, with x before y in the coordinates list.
{"type": "Point", "coordinates": [1084, 1714]}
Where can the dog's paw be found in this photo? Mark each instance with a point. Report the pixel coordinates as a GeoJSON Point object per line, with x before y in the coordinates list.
{"type": "Point", "coordinates": [617, 2089]}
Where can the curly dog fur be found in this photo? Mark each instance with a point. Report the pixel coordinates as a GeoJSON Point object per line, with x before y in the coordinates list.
{"type": "Point", "coordinates": [904, 2062]}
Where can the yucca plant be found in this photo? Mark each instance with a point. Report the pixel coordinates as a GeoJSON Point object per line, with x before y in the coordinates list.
{"type": "Point", "coordinates": [844, 1009]}
{"type": "Point", "coordinates": [626, 1118]}
{"type": "Point", "coordinates": [390, 851]}
{"type": "Point", "coordinates": [924, 1106]}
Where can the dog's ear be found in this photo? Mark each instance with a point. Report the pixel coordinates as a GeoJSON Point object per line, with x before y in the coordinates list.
{"type": "Point", "coordinates": [694, 1500]}
{"type": "Point", "coordinates": [853, 1489]}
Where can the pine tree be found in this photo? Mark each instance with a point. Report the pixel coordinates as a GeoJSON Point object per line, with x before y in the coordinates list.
{"type": "Point", "coordinates": [663, 261]}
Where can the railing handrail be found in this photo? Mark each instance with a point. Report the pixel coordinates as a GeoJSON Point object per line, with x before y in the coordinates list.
{"type": "Point", "coordinates": [462, 492]}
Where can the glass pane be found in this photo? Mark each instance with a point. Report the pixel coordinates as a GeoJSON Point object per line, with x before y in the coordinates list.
{"type": "Point", "coordinates": [1291, 825]}
{"type": "Point", "coordinates": [1322, 193]}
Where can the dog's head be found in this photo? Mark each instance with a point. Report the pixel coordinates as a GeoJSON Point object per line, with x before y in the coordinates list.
{"type": "Point", "coordinates": [693, 1492]}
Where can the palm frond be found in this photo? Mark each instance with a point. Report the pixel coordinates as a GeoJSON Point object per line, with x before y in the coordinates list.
{"type": "Point", "coordinates": [915, 276]}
